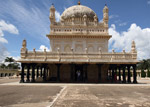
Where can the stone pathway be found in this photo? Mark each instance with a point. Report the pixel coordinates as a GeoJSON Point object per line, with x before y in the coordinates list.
{"type": "Point", "coordinates": [15, 94]}
{"type": "Point", "coordinates": [107, 96]}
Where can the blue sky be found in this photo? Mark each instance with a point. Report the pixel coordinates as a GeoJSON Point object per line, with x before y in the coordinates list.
{"type": "Point", "coordinates": [29, 19]}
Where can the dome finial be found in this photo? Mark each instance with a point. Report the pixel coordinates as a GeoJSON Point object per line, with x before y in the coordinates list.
{"type": "Point", "coordinates": [79, 2]}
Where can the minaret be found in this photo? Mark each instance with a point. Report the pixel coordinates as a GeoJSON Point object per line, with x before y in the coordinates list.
{"type": "Point", "coordinates": [133, 47]}
{"type": "Point", "coordinates": [52, 14]}
{"type": "Point", "coordinates": [105, 15]}
{"type": "Point", "coordinates": [24, 45]}
{"type": "Point", "coordinates": [79, 2]}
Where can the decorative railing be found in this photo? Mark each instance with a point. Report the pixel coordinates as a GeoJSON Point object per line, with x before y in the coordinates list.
{"type": "Point", "coordinates": [78, 55]}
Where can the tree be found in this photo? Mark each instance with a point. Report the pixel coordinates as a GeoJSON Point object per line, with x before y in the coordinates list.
{"type": "Point", "coordinates": [15, 66]}
{"type": "Point", "coordinates": [9, 59]}
{"type": "Point", "coordinates": [3, 66]}
{"type": "Point", "coordinates": [12, 64]}
{"type": "Point", "coordinates": [143, 74]}
{"type": "Point", "coordinates": [148, 73]}
{"type": "Point", "coordinates": [144, 64]}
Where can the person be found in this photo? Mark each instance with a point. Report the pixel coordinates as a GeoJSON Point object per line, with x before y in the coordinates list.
{"type": "Point", "coordinates": [78, 75]}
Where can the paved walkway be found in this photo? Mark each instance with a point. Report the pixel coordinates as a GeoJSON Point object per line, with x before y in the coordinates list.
{"type": "Point", "coordinates": [7, 80]}
{"type": "Point", "coordinates": [106, 96]}
{"type": "Point", "coordinates": [15, 94]}
{"type": "Point", "coordinates": [27, 96]}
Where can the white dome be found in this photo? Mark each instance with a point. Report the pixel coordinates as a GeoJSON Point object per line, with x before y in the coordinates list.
{"type": "Point", "coordinates": [78, 11]}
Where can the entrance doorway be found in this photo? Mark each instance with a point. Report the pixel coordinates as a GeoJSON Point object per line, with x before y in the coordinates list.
{"type": "Point", "coordinates": [79, 74]}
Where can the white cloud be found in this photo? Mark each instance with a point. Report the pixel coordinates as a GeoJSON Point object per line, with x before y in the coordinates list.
{"type": "Point", "coordinates": [42, 47]}
{"type": "Point", "coordinates": [5, 27]}
{"type": "Point", "coordinates": [113, 16]}
{"type": "Point", "coordinates": [31, 19]}
{"type": "Point", "coordinates": [16, 57]}
{"type": "Point", "coordinates": [123, 24]}
{"type": "Point", "coordinates": [3, 52]}
{"type": "Point", "coordinates": [3, 40]}
{"type": "Point", "coordinates": [8, 28]}
{"type": "Point", "coordinates": [57, 14]}
{"type": "Point", "coordinates": [148, 2]}
{"type": "Point", "coordinates": [123, 40]}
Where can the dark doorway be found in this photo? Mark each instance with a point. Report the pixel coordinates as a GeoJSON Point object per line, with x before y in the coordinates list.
{"type": "Point", "coordinates": [79, 74]}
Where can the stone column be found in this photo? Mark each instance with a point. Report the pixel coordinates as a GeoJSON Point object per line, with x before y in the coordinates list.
{"type": "Point", "coordinates": [86, 76]}
{"type": "Point", "coordinates": [82, 73]}
{"type": "Point", "coordinates": [58, 72]}
{"type": "Point", "coordinates": [47, 72]}
{"type": "Point", "coordinates": [33, 73]}
{"type": "Point", "coordinates": [99, 73]}
{"type": "Point", "coordinates": [75, 72]}
{"type": "Point", "coordinates": [28, 73]}
{"type": "Point", "coordinates": [129, 74]}
{"type": "Point", "coordinates": [41, 72]}
{"type": "Point", "coordinates": [44, 73]}
{"type": "Point", "coordinates": [113, 74]}
{"type": "Point", "coordinates": [71, 73]}
{"type": "Point", "coordinates": [124, 75]}
{"type": "Point", "coordinates": [22, 73]}
{"type": "Point", "coordinates": [119, 74]}
{"type": "Point", "coordinates": [37, 73]}
{"type": "Point", "coordinates": [134, 74]}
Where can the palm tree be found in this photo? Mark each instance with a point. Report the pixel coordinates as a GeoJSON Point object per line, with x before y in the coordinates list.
{"type": "Point", "coordinates": [9, 59]}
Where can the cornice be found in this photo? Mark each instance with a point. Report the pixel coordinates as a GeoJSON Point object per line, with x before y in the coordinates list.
{"type": "Point", "coordinates": [77, 36]}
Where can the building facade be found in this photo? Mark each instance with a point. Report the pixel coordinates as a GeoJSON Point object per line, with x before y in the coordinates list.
{"type": "Point", "coordinates": [79, 51]}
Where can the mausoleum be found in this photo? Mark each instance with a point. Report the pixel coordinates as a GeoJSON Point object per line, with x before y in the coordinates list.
{"type": "Point", "coordinates": [79, 51]}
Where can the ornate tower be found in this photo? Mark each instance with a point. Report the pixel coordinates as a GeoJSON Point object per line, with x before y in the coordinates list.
{"type": "Point", "coordinates": [52, 14]}
{"type": "Point", "coordinates": [105, 16]}
{"type": "Point", "coordinates": [133, 47]}
{"type": "Point", "coordinates": [24, 45]}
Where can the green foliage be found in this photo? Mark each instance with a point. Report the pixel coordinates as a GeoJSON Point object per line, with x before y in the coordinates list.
{"type": "Point", "coordinates": [148, 73]}
{"type": "Point", "coordinates": [144, 64]}
{"type": "Point", "coordinates": [9, 59]}
{"type": "Point", "coordinates": [3, 66]}
{"type": "Point", "coordinates": [12, 64]}
{"type": "Point", "coordinates": [143, 74]}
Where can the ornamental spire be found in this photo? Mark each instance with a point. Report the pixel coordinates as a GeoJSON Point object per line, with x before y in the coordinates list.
{"type": "Point", "coordinates": [133, 47]}
{"type": "Point", "coordinates": [79, 2]}
{"type": "Point", "coordinates": [24, 43]}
